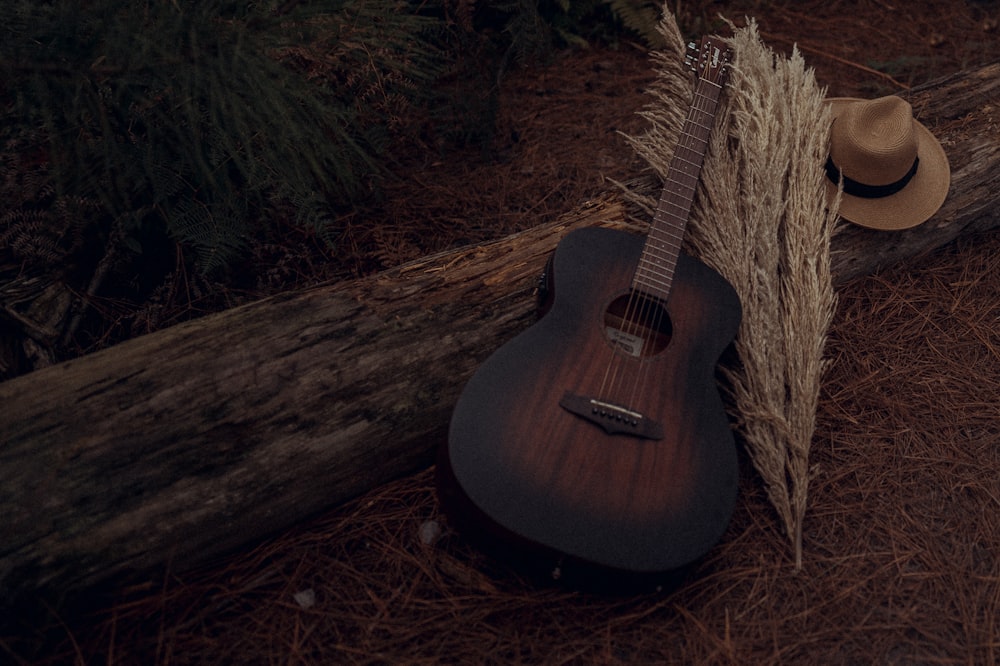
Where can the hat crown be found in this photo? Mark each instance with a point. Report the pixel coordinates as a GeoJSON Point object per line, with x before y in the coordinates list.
{"type": "Point", "coordinates": [875, 142]}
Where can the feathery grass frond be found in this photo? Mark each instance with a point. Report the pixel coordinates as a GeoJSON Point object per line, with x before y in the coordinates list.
{"type": "Point", "coordinates": [761, 219]}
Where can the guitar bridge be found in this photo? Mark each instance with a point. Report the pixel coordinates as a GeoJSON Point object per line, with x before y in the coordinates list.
{"type": "Point", "coordinates": [614, 419]}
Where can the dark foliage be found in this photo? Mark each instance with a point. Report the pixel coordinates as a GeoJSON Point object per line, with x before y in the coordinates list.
{"type": "Point", "coordinates": [154, 149]}
{"type": "Point", "coordinates": [131, 129]}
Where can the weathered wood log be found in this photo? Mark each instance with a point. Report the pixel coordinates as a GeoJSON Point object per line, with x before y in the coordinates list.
{"type": "Point", "coordinates": [180, 445]}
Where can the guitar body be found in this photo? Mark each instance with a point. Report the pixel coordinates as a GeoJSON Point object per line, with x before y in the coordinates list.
{"type": "Point", "coordinates": [533, 464]}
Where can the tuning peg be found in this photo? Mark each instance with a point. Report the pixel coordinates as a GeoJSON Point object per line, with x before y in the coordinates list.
{"type": "Point", "coordinates": [691, 56]}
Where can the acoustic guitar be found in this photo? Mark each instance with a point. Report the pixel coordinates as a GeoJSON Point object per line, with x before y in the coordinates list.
{"type": "Point", "coordinates": [596, 441]}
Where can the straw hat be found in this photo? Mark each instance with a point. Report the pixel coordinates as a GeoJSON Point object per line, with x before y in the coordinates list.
{"type": "Point", "coordinates": [895, 172]}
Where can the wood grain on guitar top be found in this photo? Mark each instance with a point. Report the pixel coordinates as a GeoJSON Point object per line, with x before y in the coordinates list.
{"type": "Point", "coordinates": [647, 501]}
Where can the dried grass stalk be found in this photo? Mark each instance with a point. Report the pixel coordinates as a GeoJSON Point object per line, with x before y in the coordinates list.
{"type": "Point", "coordinates": [762, 221]}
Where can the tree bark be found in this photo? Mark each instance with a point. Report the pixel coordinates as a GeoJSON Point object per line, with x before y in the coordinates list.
{"type": "Point", "coordinates": [198, 439]}
{"type": "Point", "coordinates": [191, 441]}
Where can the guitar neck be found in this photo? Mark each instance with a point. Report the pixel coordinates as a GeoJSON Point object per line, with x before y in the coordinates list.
{"type": "Point", "coordinates": [655, 272]}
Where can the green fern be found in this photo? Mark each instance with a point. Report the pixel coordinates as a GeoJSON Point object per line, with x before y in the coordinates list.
{"type": "Point", "coordinates": [38, 227]}
{"type": "Point", "coordinates": [641, 17]}
{"type": "Point", "coordinates": [144, 134]}
{"type": "Point", "coordinates": [159, 109]}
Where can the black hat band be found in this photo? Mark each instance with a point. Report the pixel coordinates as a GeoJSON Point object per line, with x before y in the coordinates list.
{"type": "Point", "coordinates": [856, 189]}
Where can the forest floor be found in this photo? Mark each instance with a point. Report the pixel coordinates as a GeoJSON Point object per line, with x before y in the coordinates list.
{"type": "Point", "coordinates": [902, 548]}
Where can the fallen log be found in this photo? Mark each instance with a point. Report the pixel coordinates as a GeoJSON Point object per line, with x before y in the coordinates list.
{"type": "Point", "coordinates": [183, 444]}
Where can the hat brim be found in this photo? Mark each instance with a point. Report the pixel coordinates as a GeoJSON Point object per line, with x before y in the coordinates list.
{"type": "Point", "coordinates": [912, 205]}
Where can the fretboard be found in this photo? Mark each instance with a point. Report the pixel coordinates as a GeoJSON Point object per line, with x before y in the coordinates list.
{"type": "Point", "coordinates": [655, 272]}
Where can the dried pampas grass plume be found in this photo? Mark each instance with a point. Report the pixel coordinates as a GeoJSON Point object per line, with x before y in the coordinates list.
{"type": "Point", "coordinates": [761, 220]}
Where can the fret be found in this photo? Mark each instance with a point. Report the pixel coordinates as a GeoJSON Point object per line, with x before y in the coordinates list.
{"type": "Point", "coordinates": [676, 205]}
{"type": "Point", "coordinates": [662, 267]}
{"type": "Point", "coordinates": [690, 179]}
{"type": "Point", "coordinates": [684, 181]}
{"type": "Point", "coordinates": [671, 241]}
{"type": "Point", "coordinates": [707, 128]}
{"type": "Point", "coordinates": [655, 270]}
{"type": "Point", "coordinates": [662, 261]}
{"type": "Point", "coordinates": [657, 286]}
{"type": "Point", "coordinates": [662, 272]}
{"type": "Point", "coordinates": [669, 234]}
{"type": "Point", "coordinates": [660, 257]}
{"type": "Point", "coordinates": [689, 155]}
{"type": "Point", "coordinates": [694, 164]}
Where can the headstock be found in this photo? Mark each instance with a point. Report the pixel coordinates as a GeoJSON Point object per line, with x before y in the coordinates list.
{"type": "Point", "coordinates": [711, 61]}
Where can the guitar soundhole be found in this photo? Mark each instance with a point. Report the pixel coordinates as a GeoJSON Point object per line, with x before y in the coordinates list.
{"type": "Point", "coordinates": [637, 325]}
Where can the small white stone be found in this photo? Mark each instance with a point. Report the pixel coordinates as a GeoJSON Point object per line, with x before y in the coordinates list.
{"type": "Point", "coordinates": [430, 532]}
{"type": "Point", "coordinates": [305, 598]}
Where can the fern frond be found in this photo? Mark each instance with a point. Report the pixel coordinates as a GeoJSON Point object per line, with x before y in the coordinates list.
{"type": "Point", "coordinates": [149, 108]}
{"type": "Point", "coordinates": [216, 235]}
{"type": "Point", "coordinates": [641, 17]}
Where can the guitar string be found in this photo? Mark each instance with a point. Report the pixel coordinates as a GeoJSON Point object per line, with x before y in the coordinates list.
{"type": "Point", "coordinates": [699, 123]}
{"type": "Point", "coordinates": [643, 318]}
{"type": "Point", "coordinates": [637, 307]}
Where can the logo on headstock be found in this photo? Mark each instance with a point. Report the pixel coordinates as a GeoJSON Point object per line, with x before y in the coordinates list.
{"type": "Point", "coordinates": [711, 61]}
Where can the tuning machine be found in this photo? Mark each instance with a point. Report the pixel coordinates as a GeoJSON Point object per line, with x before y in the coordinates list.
{"type": "Point", "coordinates": [691, 57]}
